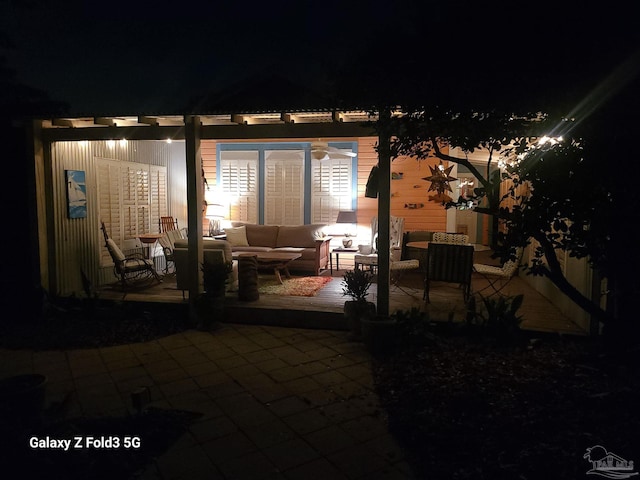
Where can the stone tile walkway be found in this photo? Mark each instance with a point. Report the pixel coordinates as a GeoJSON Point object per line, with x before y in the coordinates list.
{"type": "Point", "coordinates": [275, 402]}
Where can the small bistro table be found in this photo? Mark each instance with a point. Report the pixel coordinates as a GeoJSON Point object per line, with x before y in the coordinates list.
{"type": "Point", "coordinates": [148, 240]}
{"type": "Point", "coordinates": [337, 251]}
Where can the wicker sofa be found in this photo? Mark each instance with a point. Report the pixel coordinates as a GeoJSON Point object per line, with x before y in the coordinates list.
{"type": "Point", "coordinates": [308, 240]}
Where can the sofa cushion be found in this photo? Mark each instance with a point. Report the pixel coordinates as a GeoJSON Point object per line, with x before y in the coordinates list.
{"type": "Point", "coordinates": [174, 235]}
{"type": "Point", "coordinates": [290, 249]}
{"type": "Point", "coordinates": [300, 235]}
{"type": "Point", "coordinates": [237, 236]}
{"type": "Point", "coordinates": [262, 235]}
{"type": "Point", "coordinates": [305, 253]}
{"type": "Point", "coordinates": [251, 248]}
{"type": "Point", "coordinates": [213, 244]}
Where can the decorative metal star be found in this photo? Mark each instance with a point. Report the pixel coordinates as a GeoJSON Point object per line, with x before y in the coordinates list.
{"type": "Point", "coordinates": [440, 179]}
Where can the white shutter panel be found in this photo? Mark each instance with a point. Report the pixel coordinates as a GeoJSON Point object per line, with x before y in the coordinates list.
{"type": "Point", "coordinates": [284, 187]}
{"type": "Point", "coordinates": [129, 205]}
{"type": "Point", "coordinates": [109, 182]}
{"type": "Point", "coordinates": [239, 181]}
{"type": "Point", "coordinates": [143, 216]}
{"type": "Point", "coordinates": [158, 196]}
{"type": "Point", "coordinates": [331, 189]}
{"type": "Point", "coordinates": [131, 199]}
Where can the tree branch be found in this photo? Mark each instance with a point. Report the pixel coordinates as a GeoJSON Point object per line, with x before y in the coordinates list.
{"type": "Point", "coordinates": [554, 273]}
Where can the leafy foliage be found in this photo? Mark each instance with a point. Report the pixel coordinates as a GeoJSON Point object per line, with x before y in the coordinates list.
{"type": "Point", "coordinates": [499, 317]}
{"type": "Point", "coordinates": [565, 195]}
{"type": "Point", "coordinates": [414, 327]}
{"type": "Point", "coordinates": [215, 276]}
{"type": "Point", "coordinates": [356, 284]}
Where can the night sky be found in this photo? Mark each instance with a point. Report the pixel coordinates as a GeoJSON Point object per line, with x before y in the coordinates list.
{"type": "Point", "coordinates": [142, 56]}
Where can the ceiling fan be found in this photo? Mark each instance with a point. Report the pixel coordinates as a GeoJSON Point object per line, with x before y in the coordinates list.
{"type": "Point", "coordinates": [322, 151]}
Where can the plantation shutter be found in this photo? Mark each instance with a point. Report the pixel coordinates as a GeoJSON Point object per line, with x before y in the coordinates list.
{"type": "Point", "coordinates": [158, 200]}
{"type": "Point", "coordinates": [284, 187]}
{"type": "Point", "coordinates": [239, 181]}
{"type": "Point", "coordinates": [331, 188]}
{"type": "Point", "coordinates": [109, 182]}
{"type": "Point", "coordinates": [135, 200]}
{"type": "Point", "coordinates": [131, 199]}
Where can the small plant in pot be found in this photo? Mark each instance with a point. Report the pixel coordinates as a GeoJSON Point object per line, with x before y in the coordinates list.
{"type": "Point", "coordinates": [356, 284]}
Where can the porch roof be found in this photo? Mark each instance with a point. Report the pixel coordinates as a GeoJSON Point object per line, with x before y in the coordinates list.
{"type": "Point", "coordinates": [240, 124]}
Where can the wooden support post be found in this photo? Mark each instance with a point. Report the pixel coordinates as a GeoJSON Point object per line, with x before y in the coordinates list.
{"type": "Point", "coordinates": [384, 212]}
{"type": "Point", "coordinates": [195, 196]}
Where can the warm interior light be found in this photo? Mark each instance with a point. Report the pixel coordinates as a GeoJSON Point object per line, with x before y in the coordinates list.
{"type": "Point", "coordinates": [215, 213]}
{"type": "Point", "coordinates": [349, 217]}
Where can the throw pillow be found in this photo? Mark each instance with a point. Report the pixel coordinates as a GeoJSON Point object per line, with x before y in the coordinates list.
{"type": "Point", "coordinates": [237, 236]}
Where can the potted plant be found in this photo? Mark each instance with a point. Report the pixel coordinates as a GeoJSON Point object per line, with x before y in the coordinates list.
{"type": "Point", "coordinates": [356, 284]}
{"type": "Point", "coordinates": [210, 305]}
{"type": "Point", "coordinates": [379, 334]}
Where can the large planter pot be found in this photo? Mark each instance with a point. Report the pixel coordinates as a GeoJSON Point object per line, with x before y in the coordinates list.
{"type": "Point", "coordinates": [209, 311]}
{"type": "Point", "coordinates": [379, 335]}
{"type": "Point", "coordinates": [354, 312]}
{"type": "Point", "coordinates": [22, 400]}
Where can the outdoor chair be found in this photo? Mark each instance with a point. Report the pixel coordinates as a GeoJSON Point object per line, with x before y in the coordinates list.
{"type": "Point", "coordinates": [498, 277]}
{"type": "Point", "coordinates": [168, 244]}
{"type": "Point", "coordinates": [448, 262]}
{"type": "Point", "coordinates": [455, 238]}
{"type": "Point", "coordinates": [169, 226]}
{"type": "Point", "coordinates": [368, 254]}
{"type": "Point", "coordinates": [128, 268]}
{"type": "Point", "coordinates": [168, 223]}
{"type": "Point", "coordinates": [399, 266]}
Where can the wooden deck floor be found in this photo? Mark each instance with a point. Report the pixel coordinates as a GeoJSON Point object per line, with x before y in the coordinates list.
{"type": "Point", "coordinates": [325, 310]}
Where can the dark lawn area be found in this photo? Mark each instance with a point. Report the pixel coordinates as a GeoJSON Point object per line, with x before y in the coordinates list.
{"type": "Point", "coordinates": [464, 407]}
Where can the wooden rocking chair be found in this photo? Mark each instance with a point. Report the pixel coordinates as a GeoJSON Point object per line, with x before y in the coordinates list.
{"type": "Point", "coordinates": [128, 268]}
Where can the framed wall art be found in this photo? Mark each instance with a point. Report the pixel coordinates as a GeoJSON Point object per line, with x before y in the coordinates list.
{"type": "Point", "coordinates": [76, 193]}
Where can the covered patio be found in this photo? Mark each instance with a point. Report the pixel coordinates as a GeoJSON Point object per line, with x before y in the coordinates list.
{"type": "Point", "coordinates": [325, 310]}
{"type": "Point", "coordinates": [68, 247]}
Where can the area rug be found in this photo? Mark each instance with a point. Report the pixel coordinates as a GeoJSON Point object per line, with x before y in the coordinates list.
{"type": "Point", "coordinates": [295, 286]}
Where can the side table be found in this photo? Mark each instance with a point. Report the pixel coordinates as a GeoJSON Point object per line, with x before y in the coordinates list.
{"type": "Point", "coordinates": [337, 252]}
{"type": "Point", "coordinates": [148, 241]}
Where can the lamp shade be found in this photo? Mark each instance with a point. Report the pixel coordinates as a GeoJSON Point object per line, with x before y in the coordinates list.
{"type": "Point", "coordinates": [215, 210]}
{"type": "Point", "coordinates": [347, 216]}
